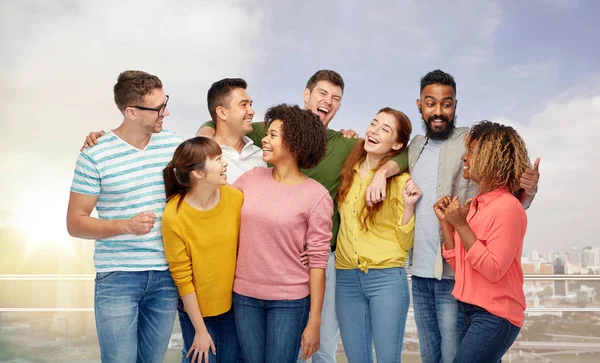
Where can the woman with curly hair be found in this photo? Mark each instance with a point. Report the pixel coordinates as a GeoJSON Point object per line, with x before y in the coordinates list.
{"type": "Point", "coordinates": [483, 241]}
{"type": "Point", "coordinates": [284, 213]}
{"type": "Point", "coordinates": [372, 295]}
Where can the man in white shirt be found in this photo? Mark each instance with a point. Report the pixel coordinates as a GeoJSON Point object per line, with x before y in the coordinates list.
{"type": "Point", "coordinates": [230, 108]}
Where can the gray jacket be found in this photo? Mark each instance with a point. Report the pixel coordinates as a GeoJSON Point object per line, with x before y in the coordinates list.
{"type": "Point", "coordinates": [450, 179]}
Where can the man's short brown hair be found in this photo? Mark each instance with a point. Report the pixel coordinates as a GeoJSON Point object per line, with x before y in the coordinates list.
{"type": "Point", "coordinates": [325, 75]}
{"type": "Point", "coordinates": [132, 86]}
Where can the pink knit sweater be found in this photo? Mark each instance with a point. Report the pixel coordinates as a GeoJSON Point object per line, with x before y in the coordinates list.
{"type": "Point", "coordinates": [278, 223]}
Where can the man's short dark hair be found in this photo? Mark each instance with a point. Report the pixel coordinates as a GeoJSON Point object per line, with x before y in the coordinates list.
{"type": "Point", "coordinates": [325, 75]}
{"type": "Point", "coordinates": [219, 94]}
{"type": "Point", "coordinates": [438, 77]}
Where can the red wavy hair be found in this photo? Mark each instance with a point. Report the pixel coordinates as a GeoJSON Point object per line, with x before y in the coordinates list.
{"type": "Point", "coordinates": [359, 155]}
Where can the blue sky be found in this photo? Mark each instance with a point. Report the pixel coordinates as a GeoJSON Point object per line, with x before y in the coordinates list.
{"type": "Point", "coordinates": [533, 64]}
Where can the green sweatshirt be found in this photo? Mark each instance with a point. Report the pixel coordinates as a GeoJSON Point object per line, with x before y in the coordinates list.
{"type": "Point", "coordinates": [329, 170]}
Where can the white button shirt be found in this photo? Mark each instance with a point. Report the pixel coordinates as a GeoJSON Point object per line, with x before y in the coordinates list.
{"type": "Point", "coordinates": [239, 163]}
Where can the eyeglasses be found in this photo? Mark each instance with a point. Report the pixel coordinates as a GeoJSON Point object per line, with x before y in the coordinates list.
{"type": "Point", "coordinates": [160, 110]}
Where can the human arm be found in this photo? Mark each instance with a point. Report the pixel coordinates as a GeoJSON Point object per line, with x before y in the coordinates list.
{"type": "Point", "coordinates": [447, 230]}
{"type": "Point", "coordinates": [202, 339]}
{"type": "Point", "coordinates": [317, 242]}
{"type": "Point", "coordinates": [456, 215]}
{"type": "Point", "coordinates": [81, 224]}
{"type": "Point", "coordinates": [311, 336]}
{"type": "Point", "coordinates": [493, 254]}
{"type": "Point", "coordinates": [411, 193]}
{"type": "Point", "coordinates": [405, 227]}
{"type": "Point", "coordinates": [376, 191]}
{"type": "Point", "coordinates": [349, 134]}
{"type": "Point", "coordinates": [91, 139]}
{"type": "Point", "coordinates": [85, 190]}
{"type": "Point", "coordinates": [529, 184]}
{"type": "Point", "coordinates": [258, 131]}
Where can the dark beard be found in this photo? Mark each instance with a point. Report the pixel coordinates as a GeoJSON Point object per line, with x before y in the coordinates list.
{"type": "Point", "coordinates": [439, 135]}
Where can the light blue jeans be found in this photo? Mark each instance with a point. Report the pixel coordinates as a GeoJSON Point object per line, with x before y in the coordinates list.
{"type": "Point", "coordinates": [436, 315]}
{"type": "Point", "coordinates": [372, 309]}
{"type": "Point", "coordinates": [135, 312]}
{"type": "Point", "coordinates": [329, 322]}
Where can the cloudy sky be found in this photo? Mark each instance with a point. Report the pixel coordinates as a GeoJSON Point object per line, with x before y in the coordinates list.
{"type": "Point", "coordinates": [534, 64]}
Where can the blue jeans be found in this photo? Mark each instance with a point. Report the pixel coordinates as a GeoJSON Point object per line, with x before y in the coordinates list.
{"type": "Point", "coordinates": [135, 312]}
{"type": "Point", "coordinates": [270, 330]}
{"type": "Point", "coordinates": [372, 308]}
{"type": "Point", "coordinates": [329, 322]}
{"type": "Point", "coordinates": [436, 312]}
{"type": "Point", "coordinates": [222, 331]}
{"type": "Point", "coordinates": [484, 337]}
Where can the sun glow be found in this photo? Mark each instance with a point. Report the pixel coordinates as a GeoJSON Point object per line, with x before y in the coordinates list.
{"type": "Point", "coordinates": [42, 218]}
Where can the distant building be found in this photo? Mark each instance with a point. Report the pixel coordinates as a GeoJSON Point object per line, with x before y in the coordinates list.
{"type": "Point", "coordinates": [528, 268]}
{"type": "Point", "coordinates": [574, 256]}
{"type": "Point", "coordinates": [546, 269]}
{"type": "Point", "coordinates": [551, 256]}
{"type": "Point", "coordinates": [590, 257]}
{"type": "Point", "coordinates": [561, 287]}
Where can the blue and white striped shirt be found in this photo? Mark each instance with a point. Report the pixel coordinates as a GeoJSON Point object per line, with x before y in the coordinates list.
{"type": "Point", "coordinates": [127, 181]}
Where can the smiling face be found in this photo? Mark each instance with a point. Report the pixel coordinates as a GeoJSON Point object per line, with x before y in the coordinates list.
{"type": "Point", "coordinates": [381, 136]}
{"type": "Point", "coordinates": [273, 147]}
{"type": "Point", "coordinates": [240, 113]}
{"type": "Point", "coordinates": [437, 106]}
{"type": "Point", "coordinates": [214, 171]}
{"type": "Point", "coordinates": [150, 120]}
{"type": "Point", "coordinates": [324, 100]}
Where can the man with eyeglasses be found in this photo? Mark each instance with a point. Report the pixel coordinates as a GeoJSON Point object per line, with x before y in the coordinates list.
{"type": "Point", "coordinates": [135, 298]}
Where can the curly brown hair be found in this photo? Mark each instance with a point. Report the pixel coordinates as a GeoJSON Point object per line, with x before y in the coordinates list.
{"type": "Point", "coordinates": [132, 86]}
{"type": "Point", "coordinates": [303, 133]}
{"type": "Point", "coordinates": [500, 156]}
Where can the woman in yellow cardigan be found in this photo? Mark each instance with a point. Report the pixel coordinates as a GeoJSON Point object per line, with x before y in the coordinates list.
{"type": "Point", "coordinates": [371, 293]}
{"type": "Point", "coordinates": [200, 229]}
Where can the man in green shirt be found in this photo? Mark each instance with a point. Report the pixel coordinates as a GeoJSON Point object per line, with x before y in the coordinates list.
{"type": "Point", "coordinates": [323, 96]}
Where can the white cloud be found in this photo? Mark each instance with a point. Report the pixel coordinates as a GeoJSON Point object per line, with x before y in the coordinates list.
{"type": "Point", "coordinates": [565, 136]}
{"type": "Point", "coordinates": [540, 69]}
{"type": "Point", "coordinates": [57, 73]}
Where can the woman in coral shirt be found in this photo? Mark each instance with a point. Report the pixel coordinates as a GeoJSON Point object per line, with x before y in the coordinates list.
{"type": "Point", "coordinates": [483, 241]}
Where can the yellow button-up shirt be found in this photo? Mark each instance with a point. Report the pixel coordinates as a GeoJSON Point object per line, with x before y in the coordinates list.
{"type": "Point", "coordinates": [386, 243]}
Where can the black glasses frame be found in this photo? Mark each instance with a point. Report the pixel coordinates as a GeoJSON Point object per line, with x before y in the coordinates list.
{"type": "Point", "coordinates": [160, 110]}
